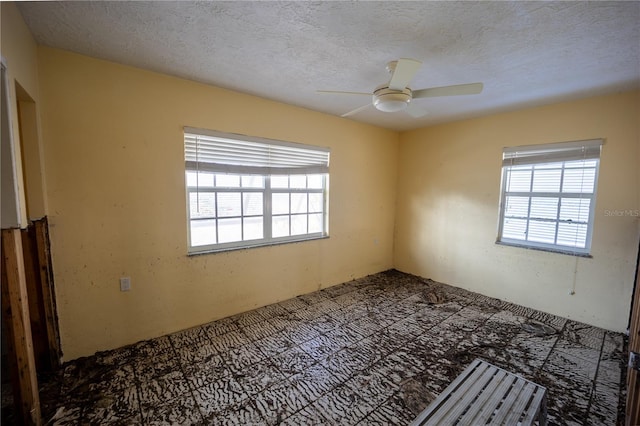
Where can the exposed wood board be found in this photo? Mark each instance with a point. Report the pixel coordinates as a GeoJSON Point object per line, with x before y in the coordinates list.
{"type": "Point", "coordinates": [15, 308]}
{"type": "Point", "coordinates": [48, 291]}
{"type": "Point", "coordinates": [34, 294]}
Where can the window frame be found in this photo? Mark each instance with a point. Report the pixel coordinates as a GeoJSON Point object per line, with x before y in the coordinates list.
{"type": "Point", "coordinates": [267, 191]}
{"type": "Point", "coordinates": [548, 154]}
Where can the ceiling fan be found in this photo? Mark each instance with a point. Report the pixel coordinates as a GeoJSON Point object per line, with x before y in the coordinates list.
{"type": "Point", "coordinates": [396, 95]}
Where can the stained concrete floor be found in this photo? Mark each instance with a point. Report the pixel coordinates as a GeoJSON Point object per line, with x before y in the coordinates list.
{"type": "Point", "coordinates": [374, 351]}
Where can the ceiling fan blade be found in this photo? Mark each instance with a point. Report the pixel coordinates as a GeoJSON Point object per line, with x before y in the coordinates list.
{"type": "Point", "coordinates": [416, 111]}
{"type": "Point", "coordinates": [355, 111]}
{"type": "Point", "coordinates": [404, 72]}
{"type": "Point", "coordinates": [459, 89]}
{"type": "Point", "coordinates": [338, 92]}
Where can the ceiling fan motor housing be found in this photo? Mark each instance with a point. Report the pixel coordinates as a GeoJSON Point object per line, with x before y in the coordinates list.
{"type": "Point", "coordinates": [388, 100]}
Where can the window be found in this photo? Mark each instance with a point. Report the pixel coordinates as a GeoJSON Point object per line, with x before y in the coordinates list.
{"type": "Point", "coordinates": [244, 191]}
{"type": "Point", "coordinates": [548, 196]}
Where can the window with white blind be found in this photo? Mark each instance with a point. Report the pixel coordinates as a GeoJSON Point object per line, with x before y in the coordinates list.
{"type": "Point", "coordinates": [548, 196]}
{"type": "Point", "coordinates": [245, 191]}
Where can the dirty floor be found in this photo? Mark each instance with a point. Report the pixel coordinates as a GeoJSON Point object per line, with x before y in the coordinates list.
{"type": "Point", "coordinates": [374, 351]}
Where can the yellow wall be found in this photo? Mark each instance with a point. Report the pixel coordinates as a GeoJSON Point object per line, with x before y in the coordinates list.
{"type": "Point", "coordinates": [115, 179]}
{"type": "Point", "coordinates": [447, 212]}
{"type": "Point", "coordinates": [113, 154]}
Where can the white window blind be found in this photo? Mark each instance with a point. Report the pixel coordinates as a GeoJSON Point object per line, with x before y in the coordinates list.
{"type": "Point", "coordinates": [245, 191]}
{"type": "Point", "coordinates": [549, 153]}
{"type": "Point", "coordinates": [548, 195]}
{"type": "Point", "coordinates": [207, 150]}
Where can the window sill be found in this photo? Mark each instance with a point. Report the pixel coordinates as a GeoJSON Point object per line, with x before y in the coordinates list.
{"type": "Point", "coordinates": [258, 245]}
{"type": "Point", "coordinates": [546, 249]}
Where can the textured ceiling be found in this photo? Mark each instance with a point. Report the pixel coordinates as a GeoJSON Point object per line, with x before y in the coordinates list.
{"type": "Point", "coordinates": [525, 53]}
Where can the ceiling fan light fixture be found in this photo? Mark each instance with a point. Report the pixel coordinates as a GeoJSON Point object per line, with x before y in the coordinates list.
{"type": "Point", "coordinates": [387, 100]}
{"type": "Point", "coordinates": [396, 95]}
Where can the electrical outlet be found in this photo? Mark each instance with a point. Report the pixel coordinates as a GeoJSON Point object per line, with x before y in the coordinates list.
{"type": "Point", "coordinates": [125, 283]}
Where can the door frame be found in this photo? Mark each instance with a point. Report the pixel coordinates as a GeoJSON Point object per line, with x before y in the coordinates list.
{"type": "Point", "coordinates": [633, 375]}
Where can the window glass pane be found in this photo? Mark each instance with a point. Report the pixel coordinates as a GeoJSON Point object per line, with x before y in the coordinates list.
{"type": "Point", "coordinates": [298, 203]}
{"type": "Point", "coordinates": [279, 181]}
{"type": "Point", "coordinates": [572, 235]}
{"type": "Point", "coordinates": [315, 202]}
{"type": "Point", "coordinates": [555, 211]}
{"type": "Point", "coordinates": [191, 179]}
{"type": "Point", "coordinates": [315, 181]}
{"type": "Point", "coordinates": [202, 204]}
{"type": "Point", "coordinates": [253, 181]}
{"type": "Point", "coordinates": [517, 206]}
{"type": "Point", "coordinates": [201, 179]}
{"type": "Point", "coordinates": [252, 203]}
{"type": "Point", "coordinates": [253, 229]}
{"type": "Point", "coordinates": [229, 230]}
{"type": "Point", "coordinates": [579, 180]}
{"type": "Point", "coordinates": [514, 229]}
{"type": "Point", "coordinates": [575, 209]}
{"type": "Point", "coordinates": [544, 208]}
{"type": "Point", "coordinates": [298, 181]}
{"type": "Point", "coordinates": [238, 206]}
{"type": "Point", "coordinates": [546, 180]}
{"type": "Point", "coordinates": [203, 232]}
{"type": "Point", "coordinates": [518, 180]}
{"type": "Point", "coordinates": [315, 223]}
{"type": "Point", "coordinates": [280, 226]}
{"type": "Point", "coordinates": [298, 224]}
{"type": "Point", "coordinates": [542, 232]}
{"type": "Point", "coordinates": [229, 204]}
{"type": "Point", "coordinates": [227, 181]}
{"type": "Point", "coordinates": [279, 203]}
